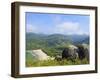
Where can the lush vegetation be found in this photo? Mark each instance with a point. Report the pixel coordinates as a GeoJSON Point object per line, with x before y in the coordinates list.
{"type": "Point", "coordinates": [53, 45]}
{"type": "Point", "coordinates": [34, 63]}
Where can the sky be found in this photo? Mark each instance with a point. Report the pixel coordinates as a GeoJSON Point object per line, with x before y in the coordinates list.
{"type": "Point", "coordinates": [67, 24]}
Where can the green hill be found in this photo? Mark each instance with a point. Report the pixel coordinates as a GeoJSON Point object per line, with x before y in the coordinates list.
{"type": "Point", "coordinates": [53, 44]}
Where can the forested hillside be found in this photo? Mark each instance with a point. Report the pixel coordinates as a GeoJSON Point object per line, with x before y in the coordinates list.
{"type": "Point", "coordinates": [53, 44]}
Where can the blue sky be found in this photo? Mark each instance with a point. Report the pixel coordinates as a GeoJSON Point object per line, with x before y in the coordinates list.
{"type": "Point", "coordinates": [43, 23]}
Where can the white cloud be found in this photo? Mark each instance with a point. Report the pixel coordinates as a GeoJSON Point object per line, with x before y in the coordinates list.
{"type": "Point", "coordinates": [80, 32]}
{"type": "Point", "coordinates": [67, 27]}
{"type": "Point", "coordinates": [31, 28]}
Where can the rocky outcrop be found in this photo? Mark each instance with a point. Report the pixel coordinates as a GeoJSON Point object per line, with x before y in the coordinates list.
{"type": "Point", "coordinates": [73, 52]}
{"type": "Point", "coordinates": [70, 52]}
{"type": "Point", "coordinates": [39, 55]}
{"type": "Point", "coordinates": [58, 58]}
{"type": "Point", "coordinates": [83, 51]}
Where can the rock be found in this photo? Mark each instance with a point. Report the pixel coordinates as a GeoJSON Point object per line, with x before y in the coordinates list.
{"type": "Point", "coordinates": [58, 58]}
{"type": "Point", "coordinates": [40, 55]}
{"type": "Point", "coordinates": [83, 51]}
{"type": "Point", "coordinates": [70, 52]}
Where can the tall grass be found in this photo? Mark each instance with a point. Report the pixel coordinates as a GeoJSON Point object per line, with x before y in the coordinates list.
{"type": "Point", "coordinates": [36, 63]}
{"type": "Point", "coordinates": [32, 62]}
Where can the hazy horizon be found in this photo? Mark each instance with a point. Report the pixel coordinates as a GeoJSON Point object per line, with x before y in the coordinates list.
{"type": "Point", "coordinates": [55, 34]}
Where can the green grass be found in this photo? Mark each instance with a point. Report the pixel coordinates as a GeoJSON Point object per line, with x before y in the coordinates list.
{"type": "Point", "coordinates": [31, 62]}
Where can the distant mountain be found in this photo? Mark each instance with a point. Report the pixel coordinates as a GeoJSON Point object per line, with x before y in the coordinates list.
{"type": "Point", "coordinates": [58, 38]}
{"type": "Point", "coordinates": [46, 40]}
{"type": "Point", "coordinates": [54, 40]}
{"type": "Point", "coordinates": [79, 39]}
{"type": "Point", "coordinates": [86, 40]}
{"type": "Point", "coordinates": [34, 35]}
